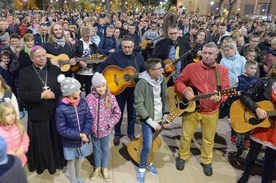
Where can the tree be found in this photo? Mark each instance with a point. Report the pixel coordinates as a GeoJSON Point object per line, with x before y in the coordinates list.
{"type": "Point", "coordinates": [231, 5]}
{"type": "Point", "coordinates": [220, 10]}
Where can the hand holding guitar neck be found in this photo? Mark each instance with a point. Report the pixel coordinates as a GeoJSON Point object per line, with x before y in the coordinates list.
{"type": "Point", "coordinates": [216, 97]}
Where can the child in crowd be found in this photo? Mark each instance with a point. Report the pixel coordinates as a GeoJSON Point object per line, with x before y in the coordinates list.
{"type": "Point", "coordinates": [152, 105]}
{"type": "Point", "coordinates": [11, 170]}
{"type": "Point", "coordinates": [73, 122]}
{"type": "Point", "coordinates": [13, 132]}
{"type": "Point", "coordinates": [6, 95]}
{"type": "Point", "coordinates": [250, 55]}
{"type": "Point", "coordinates": [5, 60]}
{"type": "Point", "coordinates": [106, 113]}
{"type": "Point", "coordinates": [246, 80]}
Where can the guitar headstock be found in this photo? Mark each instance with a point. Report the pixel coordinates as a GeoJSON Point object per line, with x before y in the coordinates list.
{"type": "Point", "coordinates": [229, 91]}
{"type": "Point", "coordinates": [97, 56]}
{"type": "Point", "coordinates": [196, 47]}
{"type": "Point", "coordinates": [173, 114]}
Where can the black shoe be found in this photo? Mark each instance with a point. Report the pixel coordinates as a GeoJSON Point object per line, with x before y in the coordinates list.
{"type": "Point", "coordinates": [243, 179]}
{"type": "Point", "coordinates": [180, 163]}
{"type": "Point", "coordinates": [116, 140]}
{"type": "Point", "coordinates": [207, 169]}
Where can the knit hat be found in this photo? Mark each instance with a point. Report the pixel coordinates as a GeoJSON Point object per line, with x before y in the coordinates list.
{"type": "Point", "coordinates": [3, 151]}
{"type": "Point", "coordinates": [4, 37]}
{"type": "Point", "coordinates": [68, 85]}
{"type": "Point", "coordinates": [98, 79]}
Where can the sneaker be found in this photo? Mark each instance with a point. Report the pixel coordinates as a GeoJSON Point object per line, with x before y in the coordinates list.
{"type": "Point", "coordinates": [106, 174]}
{"type": "Point", "coordinates": [116, 140]}
{"type": "Point", "coordinates": [243, 179]}
{"type": "Point", "coordinates": [247, 144]}
{"type": "Point", "coordinates": [234, 139]}
{"type": "Point", "coordinates": [95, 173]}
{"type": "Point", "coordinates": [152, 170]}
{"type": "Point", "coordinates": [141, 175]}
{"type": "Point", "coordinates": [180, 163]}
{"type": "Point", "coordinates": [80, 180]}
{"type": "Point", "coordinates": [207, 169]}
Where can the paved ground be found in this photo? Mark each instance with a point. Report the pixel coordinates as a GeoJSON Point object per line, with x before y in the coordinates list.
{"type": "Point", "coordinates": [227, 167]}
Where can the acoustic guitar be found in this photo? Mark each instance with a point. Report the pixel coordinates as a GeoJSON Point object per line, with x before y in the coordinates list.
{"type": "Point", "coordinates": [145, 42]}
{"type": "Point", "coordinates": [64, 61]}
{"type": "Point", "coordinates": [169, 68]}
{"type": "Point", "coordinates": [243, 120]}
{"type": "Point", "coordinates": [135, 147]}
{"type": "Point", "coordinates": [177, 100]}
{"type": "Point", "coordinates": [118, 79]}
{"type": "Point", "coordinates": [95, 59]}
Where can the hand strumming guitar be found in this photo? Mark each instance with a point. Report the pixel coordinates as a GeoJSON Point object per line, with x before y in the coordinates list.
{"type": "Point", "coordinates": [189, 95]}
{"type": "Point", "coordinates": [261, 114]}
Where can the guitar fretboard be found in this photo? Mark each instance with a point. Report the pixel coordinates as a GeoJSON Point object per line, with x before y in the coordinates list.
{"type": "Point", "coordinates": [271, 113]}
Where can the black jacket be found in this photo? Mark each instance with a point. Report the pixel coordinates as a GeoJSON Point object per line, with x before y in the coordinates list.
{"type": "Point", "coordinates": [163, 47]}
{"type": "Point", "coordinates": [78, 48]}
{"type": "Point", "coordinates": [258, 92]}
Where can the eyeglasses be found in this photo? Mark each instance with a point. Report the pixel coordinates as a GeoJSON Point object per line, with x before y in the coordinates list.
{"type": "Point", "coordinates": [171, 33]}
{"type": "Point", "coordinates": [127, 47]}
{"type": "Point", "coordinates": [160, 68]}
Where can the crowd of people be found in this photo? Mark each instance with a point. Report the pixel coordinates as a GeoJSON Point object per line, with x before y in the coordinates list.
{"type": "Point", "coordinates": [39, 49]}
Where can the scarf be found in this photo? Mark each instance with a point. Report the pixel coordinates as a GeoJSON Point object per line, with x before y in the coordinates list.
{"type": "Point", "coordinates": [74, 103]}
{"type": "Point", "coordinates": [60, 42]}
{"type": "Point", "coordinates": [27, 50]}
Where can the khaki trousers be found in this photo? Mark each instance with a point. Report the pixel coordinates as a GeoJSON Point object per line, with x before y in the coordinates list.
{"type": "Point", "coordinates": [208, 124]}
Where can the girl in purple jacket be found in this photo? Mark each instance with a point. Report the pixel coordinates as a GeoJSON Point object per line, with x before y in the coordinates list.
{"type": "Point", "coordinates": [106, 113]}
{"type": "Point", "coordinates": [73, 122]}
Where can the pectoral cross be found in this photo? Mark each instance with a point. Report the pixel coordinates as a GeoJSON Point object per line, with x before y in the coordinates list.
{"type": "Point", "coordinates": [45, 88]}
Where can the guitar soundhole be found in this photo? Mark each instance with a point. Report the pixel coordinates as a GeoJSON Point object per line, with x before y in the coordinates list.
{"type": "Point", "coordinates": [254, 121]}
{"type": "Point", "coordinates": [127, 77]}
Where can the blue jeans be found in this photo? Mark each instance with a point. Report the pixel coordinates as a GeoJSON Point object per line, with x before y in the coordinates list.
{"type": "Point", "coordinates": [147, 132]}
{"type": "Point", "coordinates": [101, 146]}
{"type": "Point", "coordinates": [127, 96]}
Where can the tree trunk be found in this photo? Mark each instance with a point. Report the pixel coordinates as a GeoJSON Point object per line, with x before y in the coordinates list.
{"type": "Point", "coordinates": [123, 6]}
{"type": "Point", "coordinates": [220, 10]}
{"type": "Point", "coordinates": [231, 5]}
{"type": "Point", "coordinates": [107, 4]}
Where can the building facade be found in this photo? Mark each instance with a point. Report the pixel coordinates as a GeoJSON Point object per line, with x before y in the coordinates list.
{"type": "Point", "coordinates": [244, 7]}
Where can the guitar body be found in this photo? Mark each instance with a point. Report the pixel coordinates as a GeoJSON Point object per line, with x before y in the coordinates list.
{"type": "Point", "coordinates": [176, 101]}
{"type": "Point", "coordinates": [76, 68]}
{"type": "Point", "coordinates": [169, 69]}
{"type": "Point", "coordinates": [118, 79]}
{"type": "Point", "coordinates": [135, 147]}
{"type": "Point", "coordinates": [62, 59]}
{"type": "Point", "coordinates": [243, 120]}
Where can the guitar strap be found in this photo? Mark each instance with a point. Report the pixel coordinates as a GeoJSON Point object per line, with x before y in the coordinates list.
{"type": "Point", "coordinates": [218, 78]}
{"type": "Point", "coordinates": [135, 60]}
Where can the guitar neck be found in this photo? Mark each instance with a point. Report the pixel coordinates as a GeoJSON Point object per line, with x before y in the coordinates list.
{"type": "Point", "coordinates": [155, 135]}
{"type": "Point", "coordinates": [182, 56]}
{"type": "Point", "coordinates": [82, 59]}
{"type": "Point", "coordinates": [198, 97]}
{"type": "Point", "coordinates": [271, 113]}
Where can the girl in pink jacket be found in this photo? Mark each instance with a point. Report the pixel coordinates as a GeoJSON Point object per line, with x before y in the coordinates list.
{"type": "Point", "coordinates": [106, 113]}
{"type": "Point", "coordinates": [14, 132]}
